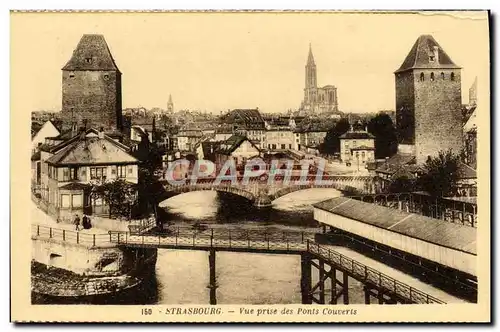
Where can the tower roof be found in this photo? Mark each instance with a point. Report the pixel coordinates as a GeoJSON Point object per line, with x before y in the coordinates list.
{"type": "Point", "coordinates": [310, 57]}
{"type": "Point", "coordinates": [170, 99]}
{"type": "Point", "coordinates": [91, 53]}
{"type": "Point", "coordinates": [427, 53]}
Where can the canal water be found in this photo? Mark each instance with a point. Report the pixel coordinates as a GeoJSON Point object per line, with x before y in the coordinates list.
{"type": "Point", "coordinates": [181, 276]}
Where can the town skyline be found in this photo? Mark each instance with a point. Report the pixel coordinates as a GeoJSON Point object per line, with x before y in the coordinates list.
{"type": "Point", "coordinates": [253, 65]}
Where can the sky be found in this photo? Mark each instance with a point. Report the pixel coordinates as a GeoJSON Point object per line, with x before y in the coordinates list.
{"type": "Point", "coordinates": [221, 61]}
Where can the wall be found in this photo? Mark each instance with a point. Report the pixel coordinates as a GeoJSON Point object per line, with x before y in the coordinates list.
{"type": "Point", "coordinates": [405, 107]}
{"type": "Point", "coordinates": [93, 95]}
{"type": "Point", "coordinates": [279, 139]}
{"type": "Point", "coordinates": [438, 117]}
{"type": "Point", "coordinates": [92, 261]}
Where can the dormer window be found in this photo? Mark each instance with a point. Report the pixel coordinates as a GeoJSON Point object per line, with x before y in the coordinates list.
{"type": "Point", "coordinates": [88, 60]}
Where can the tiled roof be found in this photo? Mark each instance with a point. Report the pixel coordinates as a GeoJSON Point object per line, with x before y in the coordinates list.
{"type": "Point", "coordinates": [431, 230]}
{"type": "Point", "coordinates": [92, 47]}
{"type": "Point", "coordinates": [419, 56]}
{"type": "Point", "coordinates": [363, 147]}
{"type": "Point", "coordinates": [357, 135]}
{"type": "Point", "coordinates": [315, 125]}
{"type": "Point", "coordinates": [74, 186]}
{"type": "Point", "coordinates": [92, 150]}
{"type": "Point", "coordinates": [394, 163]}
{"type": "Point", "coordinates": [232, 143]}
{"type": "Point", "coordinates": [249, 118]}
{"type": "Point", "coordinates": [466, 172]}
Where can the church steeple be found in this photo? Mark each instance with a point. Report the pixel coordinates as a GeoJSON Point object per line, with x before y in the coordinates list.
{"type": "Point", "coordinates": [310, 70]}
{"type": "Point", "coordinates": [170, 104]}
{"type": "Point", "coordinates": [310, 58]}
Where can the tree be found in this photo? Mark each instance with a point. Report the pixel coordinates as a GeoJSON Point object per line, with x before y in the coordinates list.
{"type": "Point", "coordinates": [382, 127]}
{"type": "Point", "coordinates": [118, 194]}
{"type": "Point", "coordinates": [441, 174]}
{"type": "Point", "coordinates": [331, 144]}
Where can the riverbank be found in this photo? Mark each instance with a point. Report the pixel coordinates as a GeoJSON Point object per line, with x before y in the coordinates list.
{"type": "Point", "coordinates": [64, 284]}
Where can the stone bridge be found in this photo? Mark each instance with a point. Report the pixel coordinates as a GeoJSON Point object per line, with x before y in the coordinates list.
{"type": "Point", "coordinates": [261, 191]}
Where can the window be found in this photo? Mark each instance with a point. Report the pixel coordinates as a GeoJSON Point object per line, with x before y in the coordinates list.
{"type": "Point", "coordinates": [121, 171]}
{"type": "Point", "coordinates": [76, 200]}
{"type": "Point", "coordinates": [106, 77]}
{"type": "Point", "coordinates": [422, 77]}
{"type": "Point", "coordinates": [431, 58]}
{"type": "Point", "coordinates": [65, 174]}
{"type": "Point", "coordinates": [283, 146]}
{"type": "Point", "coordinates": [442, 76]}
{"type": "Point", "coordinates": [88, 60]}
{"type": "Point", "coordinates": [73, 173]}
{"type": "Point", "coordinates": [432, 77]}
{"type": "Point", "coordinates": [452, 76]}
{"type": "Point", "coordinates": [65, 201]}
{"type": "Point", "coordinates": [71, 75]}
{"type": "Point", "coordinates": [98, 173]}
{"type": "Point", "coordinates": [130, 169]}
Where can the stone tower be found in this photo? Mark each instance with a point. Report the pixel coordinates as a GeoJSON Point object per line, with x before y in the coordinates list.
{"type": "Point", "coordinates": [91, 86]}
{"type": "Point", "coordinates": [428, 101]}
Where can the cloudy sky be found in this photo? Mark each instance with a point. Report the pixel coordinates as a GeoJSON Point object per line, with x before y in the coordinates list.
{"type": "Point", "coordinates": [220, 61]}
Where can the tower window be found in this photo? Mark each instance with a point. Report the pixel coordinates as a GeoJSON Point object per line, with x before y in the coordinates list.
{"type": "Point", "coordinates": [442, 75]}
{"type": "Point", "coordinates": [432, 77]}
{"type": "Point", "coordinates": [422, 77]}
{"type": "Point", "coordinates": [106, 76]}
{"type": "Point", "coordinates": [88, 60]}
{"type": "Point", "coordinates": [71, 75]}
{"type": "Point", "coordinates": [431, 58]}
{"type": "Point", "coordinates": [452, 76]}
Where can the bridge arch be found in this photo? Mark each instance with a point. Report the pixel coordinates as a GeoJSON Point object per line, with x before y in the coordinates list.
{"type": "Point", "coordinates": [178, 190]}
{"type": "Point", "coordinates": [291, 189]}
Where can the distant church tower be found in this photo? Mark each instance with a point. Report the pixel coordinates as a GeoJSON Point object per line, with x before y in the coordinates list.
{"type": "Point", "coordinates": [170, 105]}
{"type": "Point", "coordinates": [317, 100]}
{"type": "Point", "coordinates": [91, 86]}
{"type": "Point", "coordinates": [428, 101]}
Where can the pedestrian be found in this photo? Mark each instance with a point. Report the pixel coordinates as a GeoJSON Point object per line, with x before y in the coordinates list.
{"type": "Point", "coordinates": [85, 222]}
{"type": "Point", "coordinates": [77, 222]}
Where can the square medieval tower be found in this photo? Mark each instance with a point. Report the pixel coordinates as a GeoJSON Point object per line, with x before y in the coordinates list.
{"type": "Point", "coordinates": [428, 101]}
{"type": "Point", "coordinates": [91, 86]}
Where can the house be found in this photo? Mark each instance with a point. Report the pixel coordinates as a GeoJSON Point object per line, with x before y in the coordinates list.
{"type": "Point", "coordinates": [48, 129]}
{"type": "Point", "coordinates": [311, 132]}
{"type": "Point", "coordinates": [357, 146]}
{"type": "Point", "coordinates": [237, 148]}
{"type": "Point", "coordinates": [70, 168]}
{"type": "Point", "coordinates": [246, 122]}
{"type": "Point", "coordinates": [187, 139]}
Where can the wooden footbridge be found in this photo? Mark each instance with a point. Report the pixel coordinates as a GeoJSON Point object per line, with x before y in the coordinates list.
{"type": "Point", "coordinates": [316, 260]}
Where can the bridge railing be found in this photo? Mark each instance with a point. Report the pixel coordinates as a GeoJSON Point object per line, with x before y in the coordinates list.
{"type": "Point", "coordinates": [370, 275]}
{"type": "Point", "coordinates": [69, 236]}
{"type": "Point", "coordinates": [218, 238]}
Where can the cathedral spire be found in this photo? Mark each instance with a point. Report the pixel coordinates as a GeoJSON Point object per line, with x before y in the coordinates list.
{"type": "Point", "coordinates": [310, 58]}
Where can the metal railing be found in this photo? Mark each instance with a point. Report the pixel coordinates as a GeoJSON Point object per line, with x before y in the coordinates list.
{"type": "Point", "coordinates": [232, 239]}
{"type": "Point", "coordinates": [68, 236]}
{"type": "Point", "coordinates": [369, 275]}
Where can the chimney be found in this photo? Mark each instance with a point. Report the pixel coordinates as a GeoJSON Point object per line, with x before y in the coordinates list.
{"type": "Point", "coordinates": [436, 54]}
{"type": "Point", "coordinates": [74, 129]}
{"type": "Point", "coordinates": [101, 133]}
